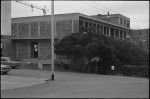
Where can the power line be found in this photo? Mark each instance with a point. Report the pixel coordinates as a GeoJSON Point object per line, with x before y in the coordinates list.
{"type": "Point", "coordinates": [33, 6]}
{"type": "Point", "coordinates": [136, 19]}
{"type": "Point", "coordinates": [118, 11]}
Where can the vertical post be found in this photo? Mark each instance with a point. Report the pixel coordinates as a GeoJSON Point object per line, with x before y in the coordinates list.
{"type": "Point", "coordinates": [52, 39]}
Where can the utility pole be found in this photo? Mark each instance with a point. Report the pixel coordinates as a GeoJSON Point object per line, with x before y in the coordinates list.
{"type": "Point", "coordinates": [52, 39]}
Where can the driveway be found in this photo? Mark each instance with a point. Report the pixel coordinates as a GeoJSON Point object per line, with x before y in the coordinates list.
{"type": "Point", "coordinates": [78, 85]}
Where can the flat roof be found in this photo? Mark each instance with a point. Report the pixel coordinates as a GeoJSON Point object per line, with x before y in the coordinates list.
{"type": "Point", "coordinates": [79, 14]}
{"type": "Point", "coordinates": [100, 20]}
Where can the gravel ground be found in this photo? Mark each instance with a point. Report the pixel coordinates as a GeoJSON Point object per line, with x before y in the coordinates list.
{"type": "Point", "coordinates": [79, 85]}
{"type": "Point", "coordinates": [10, 82]}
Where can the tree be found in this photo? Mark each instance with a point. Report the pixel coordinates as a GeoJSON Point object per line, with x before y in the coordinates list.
{"type": "Point", "coordinates": [87, 45]}
{"type": "Point", "coordinates": [110, 51]}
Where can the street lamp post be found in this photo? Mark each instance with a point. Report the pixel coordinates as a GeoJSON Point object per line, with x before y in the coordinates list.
{"type": "Point", "coordinates": [52, 39]}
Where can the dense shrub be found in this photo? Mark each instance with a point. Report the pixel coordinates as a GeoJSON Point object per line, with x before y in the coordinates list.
{"type": "Point", "coordinates": [110, 51]}
{"type": "Point", "coordinates": [139, 71]}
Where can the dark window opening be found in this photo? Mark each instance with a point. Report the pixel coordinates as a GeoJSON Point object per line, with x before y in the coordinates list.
{"type": "Point", "coordinates": [121, 34]}
{"type": "Point", "coordinates": [121, 21]}
{"type": "Point", "coordinates": [98, 27]}
{"type": "Point", "coordinates": [125, 35]}
{"type": "Point", "coordinates": [94, 28]}
{"type": "Point", "coordinates": [86, 24]}
{"type": "Point", "coordinates": [34, 50]}
{"type": "Point", "coordinates": [104, 30]}
{"type": "Point", "coordinates": [112, 33]}
{"type": "Point", "coordinates": [128, 25]}
{"type": "Point", "coordinates": [117, 33]}
{"type": "Point", "coordinates": [107, 31]}
{"type": "Point", "coordinates": [81, 23]}
{"type": "Point", "coordinates": [101, 29]}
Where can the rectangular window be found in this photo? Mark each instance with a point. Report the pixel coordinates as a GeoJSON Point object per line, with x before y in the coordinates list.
{"type": "Point", "coordinates": [111, 32]}
{"type": "Point", "coordinates": [107, 30]}
{"type": "Point", "coordinates": [128, 24]}
{"type": "Point", "coordinates": [81, 23]}
{"type": "Point", "coordinates": [101, 29]}
{"type": "Point", "coordinates": [120, 21]}
{"type": "Point", "coordinates": [125, 22]}
{"type": "Point", "coordinates": [121, 34]}
{"type": "Point", "coordinates": [86, 24]}
{"type": "Point", "coordinates": [104, 30]}
{"type": "Point", "coordinates": [98, 28]}
{"type": "Point", "coordinates": [94, 28]}
{"type": "Point", "coordinates": [125, 34]}
{"type": "Point", "coordinates": [117, 34]}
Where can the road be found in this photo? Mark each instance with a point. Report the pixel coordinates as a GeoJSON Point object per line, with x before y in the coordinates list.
{"type": "Point", "coordinates": [77, 85]}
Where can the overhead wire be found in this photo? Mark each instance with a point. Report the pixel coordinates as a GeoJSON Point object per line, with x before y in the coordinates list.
{"type": "Point", "coordinates": [136, 20]}
{"type": "Point", "coordinates": [118, 11]}
{"type": "Point", "coordinates": [32, 6]}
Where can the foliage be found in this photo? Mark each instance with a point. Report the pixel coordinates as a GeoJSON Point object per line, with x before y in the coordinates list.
{"type": "Point", "coordinates": [140, 71]}
{"type": "Point", "coordinates": [110, 51]}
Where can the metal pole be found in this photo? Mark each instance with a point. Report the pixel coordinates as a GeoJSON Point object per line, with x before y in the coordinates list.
{"type": "Point", "coordinates": [52, 39]}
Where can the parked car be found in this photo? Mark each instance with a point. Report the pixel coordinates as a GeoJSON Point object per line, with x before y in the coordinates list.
{"type": "Point", "coordinates": [5, 69]}
{"type": "Point", "coordinates": [8, 61]}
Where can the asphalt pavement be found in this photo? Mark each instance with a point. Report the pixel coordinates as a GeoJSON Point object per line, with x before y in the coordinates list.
{"type": "Point", "coordinates": [73, 85]}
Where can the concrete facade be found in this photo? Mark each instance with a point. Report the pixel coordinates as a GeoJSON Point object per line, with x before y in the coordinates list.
{"type": "Point", "coordinates": [37, 31]}
{"type": "Point", "coordinates": [114, 18]}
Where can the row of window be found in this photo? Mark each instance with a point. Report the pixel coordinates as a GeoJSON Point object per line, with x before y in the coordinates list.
{"type": "Point", "coordinates": [124, 23]}
{"type": "Point", "coordinates": [112, 32]}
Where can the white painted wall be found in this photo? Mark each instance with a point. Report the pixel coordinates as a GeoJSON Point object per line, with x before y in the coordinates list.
{"type": "Point", "coordinates": [5, 17]}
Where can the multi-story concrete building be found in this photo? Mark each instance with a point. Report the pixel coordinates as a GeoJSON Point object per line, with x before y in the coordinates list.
{"type": "Point", "coordinates": [114, 18]}
{"type": "Point", "coordinates": [31, 35]}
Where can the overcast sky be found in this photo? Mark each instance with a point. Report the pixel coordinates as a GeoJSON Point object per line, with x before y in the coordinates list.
{"type": "Point", "coordinates": [137, 11]}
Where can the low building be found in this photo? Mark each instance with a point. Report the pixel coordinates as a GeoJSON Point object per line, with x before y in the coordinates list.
{"type": "Point", "coordinates": [31, 36]}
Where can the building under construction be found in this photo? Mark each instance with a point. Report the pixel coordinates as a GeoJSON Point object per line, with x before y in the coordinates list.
{"type": "Point", "coordinates": [31, 35]}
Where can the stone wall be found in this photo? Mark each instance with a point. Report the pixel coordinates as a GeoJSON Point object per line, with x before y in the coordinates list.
{"type": "Point", "coordinates": [34, 29]}
{"type": "Point", "coordinates": [44, 50]}
{"type": "Point", "coordinates": [22, 50]}
{"type": "Point", "coordinates": [40, 26]}
{"type": "Point", "coordinates": [6, 44]}
{"type": "Point", "coordinates": [23, 30]}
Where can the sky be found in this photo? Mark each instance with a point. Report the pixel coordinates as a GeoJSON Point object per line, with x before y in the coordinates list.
{"type": "Point", "coordinates": [137, 11]}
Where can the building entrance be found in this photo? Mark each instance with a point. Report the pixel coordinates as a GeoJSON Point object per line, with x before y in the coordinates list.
{"type": "Point", "coordinates": [34, 49]}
